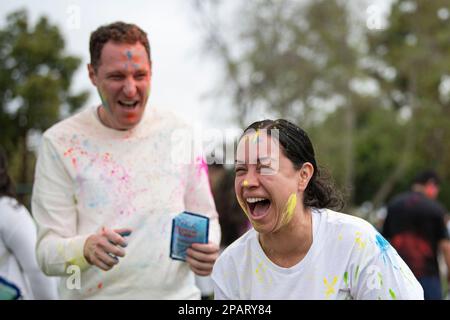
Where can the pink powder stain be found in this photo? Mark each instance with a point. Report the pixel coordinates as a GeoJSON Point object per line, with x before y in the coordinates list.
{"type": "Point", "coordinates": [202, 166]}
{"type": "Point", "coordinates": [74, 162]}
{"type": "Point", "coordinates": [120, 179]}
{"type": "Point", "coordinates": [100, 285]}
{"type": "Point", "coordinates": [68, 152]}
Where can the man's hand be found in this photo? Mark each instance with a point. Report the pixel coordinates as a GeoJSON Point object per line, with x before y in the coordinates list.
{"type": "Point", "coordinates": [102, 249]}
{"type": "Point", "coordinates": [201, 257]}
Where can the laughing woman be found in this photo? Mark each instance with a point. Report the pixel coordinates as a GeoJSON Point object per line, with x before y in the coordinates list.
{"type": "Point", "coordinates": [298, 247]}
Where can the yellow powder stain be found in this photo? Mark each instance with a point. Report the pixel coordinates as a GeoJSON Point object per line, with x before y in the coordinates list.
{"type": "Point", "coordinates": [361, 244]}
{"type": "Point", "coordinates": [243, 206]}
{"type": "Point", "coordinates": [329, 288]}
{"type": "Point", "coordinates": [289, 209]}
{"type": "Point", "coordinates": [259, 272]}
{"type": "Point", "coordinates": [255, 136]}
{"type": "Point", "coordinates": [340, 237]}
{"type": "Point", "coordinates": [245, 183]}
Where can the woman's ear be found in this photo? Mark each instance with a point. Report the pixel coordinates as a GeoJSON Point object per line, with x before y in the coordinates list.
{"type": "Point", "coordinates": [305, 174]}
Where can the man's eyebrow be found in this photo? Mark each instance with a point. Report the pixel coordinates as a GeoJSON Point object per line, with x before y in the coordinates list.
{"type": "Point", "coordinates": [114, 73]}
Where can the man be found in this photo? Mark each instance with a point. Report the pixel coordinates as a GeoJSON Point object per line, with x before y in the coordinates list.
{"type": "Point", "coordinates": [106, 186]}
{"type": "Point", "coordinates": [415, 227]}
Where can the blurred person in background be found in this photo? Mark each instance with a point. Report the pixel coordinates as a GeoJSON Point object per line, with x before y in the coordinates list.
{"type": "Point", "coordinates": [415, 225]}
{"type": "Point", "coordinates": [18, 265]}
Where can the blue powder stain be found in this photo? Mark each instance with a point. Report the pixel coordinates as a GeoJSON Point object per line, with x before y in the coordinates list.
{"type": "Point", "coordinates": [129, 55]}
{"type": "Point", "coordinates": [382, 243]}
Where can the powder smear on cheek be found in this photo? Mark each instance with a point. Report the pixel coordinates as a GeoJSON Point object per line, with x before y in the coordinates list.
{"type": "Point", "coordinates": [289, 209]}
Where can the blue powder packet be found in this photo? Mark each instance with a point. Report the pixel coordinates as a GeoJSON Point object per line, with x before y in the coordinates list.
{"type": "Point", "coordinates": [187, 228]}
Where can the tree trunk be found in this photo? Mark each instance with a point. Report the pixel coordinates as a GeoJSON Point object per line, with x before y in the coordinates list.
{"type": "Point", "coordinates": [349, 156]}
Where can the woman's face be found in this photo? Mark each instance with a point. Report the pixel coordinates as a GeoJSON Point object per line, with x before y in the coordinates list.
{"type": "Point", "coordinates": [267, 185]}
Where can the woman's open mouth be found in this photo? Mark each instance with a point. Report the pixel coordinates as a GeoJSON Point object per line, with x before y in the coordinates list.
{"type": "Point", "coordinates": [258, 207]}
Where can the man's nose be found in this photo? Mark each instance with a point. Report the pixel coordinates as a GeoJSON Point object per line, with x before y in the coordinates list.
{"type": "Point", "coordinates": [129, 88]}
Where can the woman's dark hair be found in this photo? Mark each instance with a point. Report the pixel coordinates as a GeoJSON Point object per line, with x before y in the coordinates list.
{"type": "Point", "coordinates": [297, 147]}
{"type": "Point", "coordinates": [6, 185]}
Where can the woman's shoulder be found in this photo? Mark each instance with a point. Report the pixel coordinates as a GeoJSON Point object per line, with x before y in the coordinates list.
{"type": "Point", "coordinates": [347, 231]}
{"type": "Point", "coordinates": [347, 222]}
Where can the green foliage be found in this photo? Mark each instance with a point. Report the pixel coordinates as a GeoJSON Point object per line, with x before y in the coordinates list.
{"type": "Point", "coordinates": [300, 59]}
{"type": "Point", "coordinates": [35, 79]}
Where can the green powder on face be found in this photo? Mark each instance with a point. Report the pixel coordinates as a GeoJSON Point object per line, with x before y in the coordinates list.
{"type": "Point", "coordinates": [104, 101]}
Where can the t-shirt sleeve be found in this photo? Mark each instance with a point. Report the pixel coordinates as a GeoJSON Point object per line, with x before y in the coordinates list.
{"type": "Point", "coordinates": [54, 209]}
{"type": "Point", "coordinates": [20, 238]}
{"type": "Point", "coordinates": [382, 274]}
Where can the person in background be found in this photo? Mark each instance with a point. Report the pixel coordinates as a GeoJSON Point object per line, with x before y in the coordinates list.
{"type": "Point", "coordinates": [298, 247]}
{"type": "Point", "coordinates": [415, 226]}
{"type": "Point", "coordinates": [18, 265]}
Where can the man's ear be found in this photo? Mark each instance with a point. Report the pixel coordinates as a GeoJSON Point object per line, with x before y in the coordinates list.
{"type": "Point", "coordinates": [92, 74]}
{"type": "Point", "coordinates": [305, 173]}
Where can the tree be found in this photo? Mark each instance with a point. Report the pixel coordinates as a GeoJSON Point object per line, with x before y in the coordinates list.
{"type": "Point", "coordinates": [293, 58]}
{"type": "Point", "coordinates": [310, 62]}
{"type": "Point", "coordinates": [35, 78]}
{"type": "Point", "coordinates": [415, 49]}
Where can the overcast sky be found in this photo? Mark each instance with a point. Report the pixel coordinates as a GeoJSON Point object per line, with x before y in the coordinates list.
{"type": "Point", "coordinates": [182, 73]}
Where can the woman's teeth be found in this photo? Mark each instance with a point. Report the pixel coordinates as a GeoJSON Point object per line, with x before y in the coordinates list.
{"type": "Point", "coordinates": [254, 200]}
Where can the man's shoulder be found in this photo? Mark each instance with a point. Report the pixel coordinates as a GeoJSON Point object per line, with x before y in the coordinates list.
{"type": "Point", "coordinates": [74, 123]}
{"type": "Point", "coordinates": [166, 117]}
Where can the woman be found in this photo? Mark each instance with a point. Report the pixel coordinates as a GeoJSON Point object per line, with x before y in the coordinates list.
{"type": "Point", "coordinates": [299, 248]}
{"type": "Point", "coordinates": [18, 265]}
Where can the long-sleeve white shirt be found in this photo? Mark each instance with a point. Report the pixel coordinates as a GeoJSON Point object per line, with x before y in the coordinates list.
{"type": "Point", "coordinates": [89, 176]}
{"type": "Point", "coordinates": [18, 263]}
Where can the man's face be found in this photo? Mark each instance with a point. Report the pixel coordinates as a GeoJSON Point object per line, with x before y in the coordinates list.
{"type": "Point", "coordinates": [123, 82]}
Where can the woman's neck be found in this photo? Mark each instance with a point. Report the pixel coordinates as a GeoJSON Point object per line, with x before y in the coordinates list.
{"type": "Point", "coordinates": [289, 245]}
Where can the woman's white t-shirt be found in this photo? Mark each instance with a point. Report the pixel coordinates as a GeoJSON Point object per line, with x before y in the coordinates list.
{"type": "Point", "coordinates": [348, 259]}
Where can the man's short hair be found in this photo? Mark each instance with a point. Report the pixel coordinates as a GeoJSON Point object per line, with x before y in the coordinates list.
{"type": "Point", "coordinates": [119, 32]}
{"type": "Point", "coordinates": [426, 176]}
